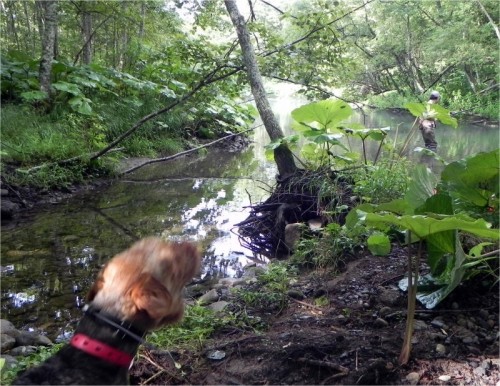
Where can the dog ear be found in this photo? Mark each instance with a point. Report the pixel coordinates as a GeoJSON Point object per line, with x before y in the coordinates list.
{"type": "Point", "coordinates": [150, 296]}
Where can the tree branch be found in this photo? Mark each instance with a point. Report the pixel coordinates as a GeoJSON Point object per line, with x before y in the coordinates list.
{"type": "Point", "coordinates": [182, 153]}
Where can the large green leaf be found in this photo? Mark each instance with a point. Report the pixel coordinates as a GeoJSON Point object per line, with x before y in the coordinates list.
{"type": "Point", "coordinates": [421, 186]}
{"type": "Point", "coordinates": [432, 111]}
{"type": "Point", "coordinates": [81, 105]}
{"type": "Point", "coordinates": [327, 113]}
{"type": "Point", "coordinates": [474, 179]}
{"type": "Point", "coordinates": [70, 88]}
{"type": "Point", "coordinates": [423, 226]}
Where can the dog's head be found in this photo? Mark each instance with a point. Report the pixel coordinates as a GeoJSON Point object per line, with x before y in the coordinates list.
{"type": "Point", "coordinates": [144, 284]}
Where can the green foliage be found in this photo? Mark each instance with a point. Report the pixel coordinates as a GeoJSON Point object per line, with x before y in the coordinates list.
{"type": "Point", "coordinates": [8, 374]}
{"type": "Point", "coordinates": [322, 125]}
{"type": "Point", "coordinates": [467, 188]}
{"type": "Point", "coordinates": [432, 111]}
{"type": "Point", "coordinates": [271, 289]}
{"type": "Point", "coordinates": [328, 249]}
{"type": "Point", "coordinates": [196, 326]}
{"type": "Point", "coordinates": [383, 182]}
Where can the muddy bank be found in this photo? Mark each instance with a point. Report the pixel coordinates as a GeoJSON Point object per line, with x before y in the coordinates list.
{"type": "Point", "coordinates": [354, 337]}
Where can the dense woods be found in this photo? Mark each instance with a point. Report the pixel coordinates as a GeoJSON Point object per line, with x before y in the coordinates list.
{"type": "Point", "coordinates": [102, 67]}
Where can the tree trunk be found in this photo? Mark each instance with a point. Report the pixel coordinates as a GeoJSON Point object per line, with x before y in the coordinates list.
{"type": "Point", "coordinates": [48, 44]}
{"type": "Point", "coordinates": [282, 155]}
{"type": "Point", "coordinates": [86, 36]}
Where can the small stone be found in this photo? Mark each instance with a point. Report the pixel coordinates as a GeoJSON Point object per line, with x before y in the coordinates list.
{"type": "Point", "coordinates": [480, 371]}
{"type": "Point", "coordinates": [4, 192]}
{"type": "Point", "coordinates": [455, 306]}
{"type": "Point", "coordinates": [419, 325]}
{"type": "Point", "coordinates": [380, 323]}
{"type": "Point", "coordinates": [413, 378]}
{"type": "Point", "coordinates": [216, 355]}
{"type": "Point", "coordinates": [440, 348]}
{"type": "Point", "coordinates": [470, 339]}
{"type": "Point", "coordinates": [438, 323]}
{"type": "Point", "coordinates": [295, 294]}
{"type": "Point", "coordinates": [491, 323]}
{"type": "Point", "coordinates": [6, 327]}
{"type": "Point", "coordinates": [218, 306]}
{"type": "Point", "coordinates": [210, 297]}
{"type": "Point", "coordinates": [444, 378]}
{"type": "Point", "coordinates": [23, 351]}
{"type": "Point", "coordinates": [6, 342]}
{"type": "Point", "coordinates": [483, 314]}
{"type": "Point", "coordinates": [384, 311]}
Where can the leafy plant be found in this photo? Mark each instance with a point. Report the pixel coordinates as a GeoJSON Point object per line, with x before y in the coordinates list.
{"type": "Point", "coordinates": [437, 219]}
{"type": "Point", "coordinates": [8, 374]}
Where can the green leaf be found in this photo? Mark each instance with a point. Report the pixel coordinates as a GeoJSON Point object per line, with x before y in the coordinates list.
{"type": "Point", "coordinates": [327, 113]}
{"type": "Point", "coordinates": [416, 109]}
{"type": "Point", "coordinates": [421, 186]}
{"type": "Point", "coordinates": [81, 105]}
{"type": "Point", "coordinates": [424, 226]}
{"type": "Point", "coordinates": [70, 88]}
{"type": "Point", "coordinates": [30, 96]}
{"type": "Point", "coordinates": [473, 180]}
{"type": "Point", "coordinates": [379, 244]}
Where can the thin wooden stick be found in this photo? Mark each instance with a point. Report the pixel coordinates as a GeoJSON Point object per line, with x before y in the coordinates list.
{"type": "Point", "coordinates": [182, 153]}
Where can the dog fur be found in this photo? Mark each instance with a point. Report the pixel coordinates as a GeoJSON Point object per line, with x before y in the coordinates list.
{"type": "Point", "coordinates": [142, 286]}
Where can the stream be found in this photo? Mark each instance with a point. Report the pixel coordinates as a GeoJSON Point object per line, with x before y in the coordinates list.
{"type": "Point", "coordinates": [50, 256]}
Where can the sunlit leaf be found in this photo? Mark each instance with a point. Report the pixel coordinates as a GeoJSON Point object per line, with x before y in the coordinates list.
{"type": "Point", "coordinates": [379, 244]}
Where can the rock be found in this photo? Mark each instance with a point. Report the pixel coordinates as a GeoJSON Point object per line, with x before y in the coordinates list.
{"type": "Point", "coordinates": [455, 306]}
{"type": "Point", "coordinates": [29, 338]}
{"type": "Point", "coordinates": [380, 323]}
{"type": "Point", "coordinates": [384, 311]}
{"type": "Point", "coordinates": [6, 342]}
{"type": "Point", "coordinates": [438, 323]}
{"type": "Point", "coordinates": [295, 294]}
{"type": "Point", "coordinates": [315, 224]}
{"type": "Point", "coordinates": [218, 306]}
{"type": "Point", "coordinates": [444, 378]}
{"type": "Point", "coordinates": [7, 327]}
{"type": "Point", "coordinates": [480, 371]}
{"type": "Point", "coordinates": [440, 348]}
{"type": "Point", "coordinates": [389, 297]}
{"type": "Point", "coordinates": [413, 378]}
{"type": "Point", "coordinates": [4, 192]}
{"type": "Point", "coordinates": [8, 209]}
{"type": "Point", "coordinates": [10, 361]}
{"type": "Point", "coordinates": [254, 272]}
{"type": "Point", "coordinates": [23, 351]}
{"type": "Point", "coordinates": [208, 298]}
{"type": "Point", "coordinates": [293, 232]}
{"type": "Point", "coordinates": [419, 325]}
{"type": "Point", "coordinates": [216, 355]}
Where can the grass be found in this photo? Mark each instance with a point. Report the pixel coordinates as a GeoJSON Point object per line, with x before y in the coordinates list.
{"type": "Point", "coordinates": [7, 374]}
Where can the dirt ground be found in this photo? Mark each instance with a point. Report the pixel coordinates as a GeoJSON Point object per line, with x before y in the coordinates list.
{"type": "Point", "coordinates": [354, 340]}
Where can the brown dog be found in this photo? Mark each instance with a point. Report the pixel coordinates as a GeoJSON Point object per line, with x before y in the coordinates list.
{"type": "Point", "coordinates": [139, 290]}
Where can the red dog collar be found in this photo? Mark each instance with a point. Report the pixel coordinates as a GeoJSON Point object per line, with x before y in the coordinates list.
{"type": "Point", "coordinates": [101, 350]}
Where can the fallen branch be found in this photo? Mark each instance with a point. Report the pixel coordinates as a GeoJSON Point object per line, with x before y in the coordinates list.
{"type": "Point", "coordinates": [66, 161]}
{"type": "Point", "coordinates": [182, 153]}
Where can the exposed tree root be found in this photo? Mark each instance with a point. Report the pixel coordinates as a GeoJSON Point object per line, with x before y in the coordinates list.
{"type": "Point", "coordinates": [301, 197]}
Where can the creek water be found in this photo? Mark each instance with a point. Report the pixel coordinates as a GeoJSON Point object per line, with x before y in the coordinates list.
{"type": "Point", "coordinates": [50, 256]}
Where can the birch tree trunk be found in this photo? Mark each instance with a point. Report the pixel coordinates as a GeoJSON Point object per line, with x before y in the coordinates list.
{"type": "Point", "coordinates": [282, 155]}
{"type": "Point", "coordinates": [48, 44]}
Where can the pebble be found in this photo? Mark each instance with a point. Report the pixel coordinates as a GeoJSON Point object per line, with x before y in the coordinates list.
{"type": "Point", "coordinates": [384, 311]}
{"type": "Point", "coordinates": [380, 323]}
{"type": "Point", "coordinates": [440, 348]}
{"type": "Point", "coordinates": [455, 306]}
{"type": "Point", "coordinates": [480, 371]}
{"type": "Point", "coordinates": [438, 323]}
{"type": "Point", "coordinates": [413, 378]}
{"type": "Point", "coordinates": [483, 314]}
{"type": "Point", "coordinates": [419, 325]}
{"type": "Point", "coordinates": [444, 378]}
